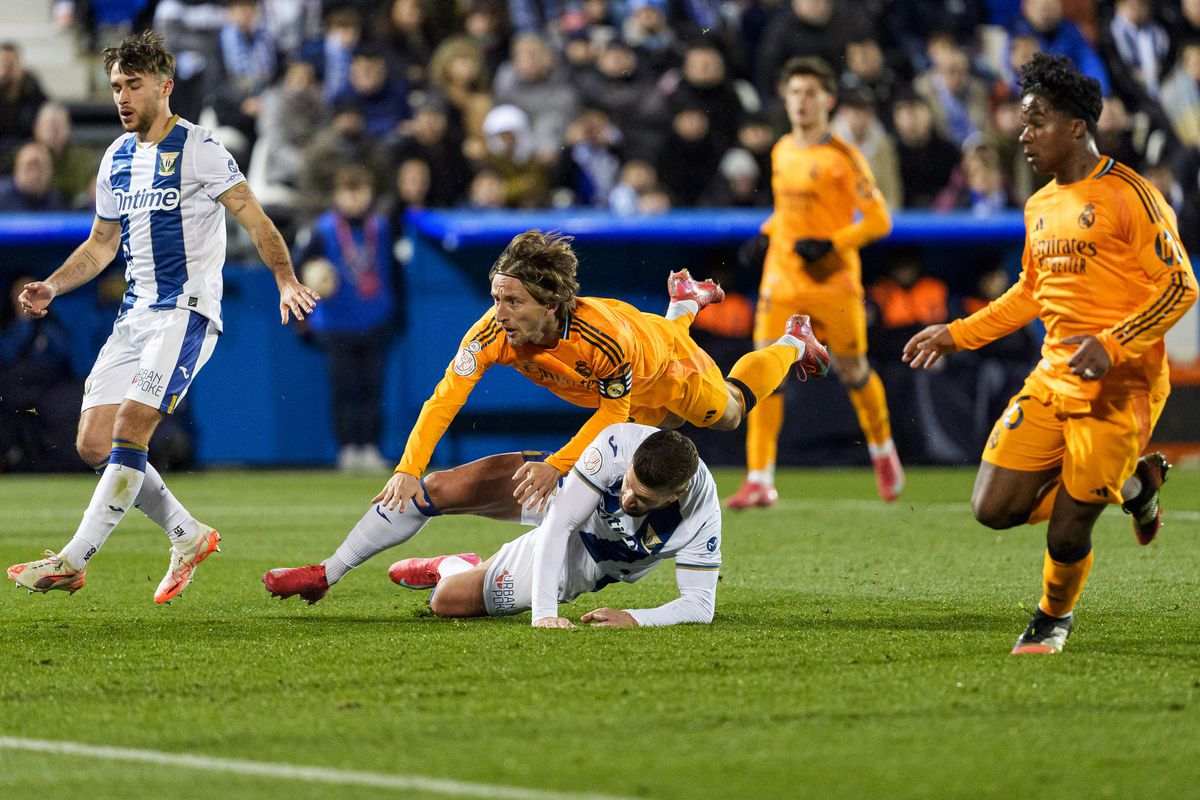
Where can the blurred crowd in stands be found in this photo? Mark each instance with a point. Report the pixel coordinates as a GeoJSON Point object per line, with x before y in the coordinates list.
{"type": "Point", "coordinates": [638, 106]}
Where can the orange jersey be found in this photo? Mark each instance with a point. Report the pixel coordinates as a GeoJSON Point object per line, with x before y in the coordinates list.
{"type": "Point", "coordinates": [1102, 257]}
{"type": "Point", "coordinates": [610, 356]}
{"type": "Point", "coordinates": [818, 188]}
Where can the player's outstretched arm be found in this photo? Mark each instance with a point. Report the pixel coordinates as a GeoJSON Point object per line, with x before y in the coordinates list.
{"type": "Point", "coordinates": [88, 261]}
{"type": "Point", "coordinates": [294, 297]}
{"type": "Point", "coordinates": [576, 502]}
{"type": "Point", "coordinates": [696, 604]}
{"type": "Point", "coordinates": [928, 346]}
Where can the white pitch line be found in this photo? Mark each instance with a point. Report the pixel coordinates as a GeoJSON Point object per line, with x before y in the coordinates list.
{"type": "Point", "coordinates": [267, 769]}
{"type": "Point", "coordinates": [902, 507]}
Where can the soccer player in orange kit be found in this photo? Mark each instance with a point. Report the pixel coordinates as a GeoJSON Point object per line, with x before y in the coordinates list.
{"type": "Point", "coordinates": [1104, 270]}
{"type": "Point", "coordinates": [812, 267]}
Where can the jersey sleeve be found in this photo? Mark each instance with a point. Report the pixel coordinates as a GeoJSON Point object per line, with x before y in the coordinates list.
{"type": "Point", "coordinates": [875, 222]}
{"type": "Point", "coordinates": [572, 506]}
{"type": "Point", "coordinates": [215, 168]}
{"type": "Point", "coordinates": [610, 364]}
{"type": "Point", "coordinates": [107, 207]}
{"type": "Point", "coordinates": [697, 601]}
{"type": "Point", "coordinates": [476, 353]}
{"type": "Point", "coordinates": [1009, 312]}
{"type": "Point", "coordinates": [1154, 241]}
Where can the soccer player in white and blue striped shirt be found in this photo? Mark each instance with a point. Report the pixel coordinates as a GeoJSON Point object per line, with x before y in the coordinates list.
{"type": "Point", "coordinates": [161, 195]}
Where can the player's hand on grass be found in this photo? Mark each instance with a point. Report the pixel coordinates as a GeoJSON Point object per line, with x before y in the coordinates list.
{"type": "Point", "coordinates": [536, 481]}
{"type": "Point", "coordinates": [929, 345]}
{"type": "Point", "coordinates": [400, 489]}
{"type": "Point", "coordinates": [35, 299]}
{"type": "Point", "coordinates": [1091, 360]}
{"type": "Point", "coordinates": [296, 299]}
{"type": "Point", "coordinates": [609, 618]}
{"type": "Point", "coordinates": [553, 622]}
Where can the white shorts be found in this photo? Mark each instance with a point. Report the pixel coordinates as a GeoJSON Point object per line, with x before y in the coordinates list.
{"type": "Point", "coordinates": [151, 357]}
{"type": "Point", "coordinates": [508, 581]}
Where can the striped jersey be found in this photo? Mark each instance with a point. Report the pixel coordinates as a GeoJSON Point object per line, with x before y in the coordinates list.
{"type": "Point", "coordinates": [165, 194]}
{"type": "Point", "coordinates": [1103, 258]}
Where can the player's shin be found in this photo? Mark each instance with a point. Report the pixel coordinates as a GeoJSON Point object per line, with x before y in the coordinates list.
{"type": "Point", "coordinates": [115, 493]}
{"type": "Point", "coordinates": [379, 529]}
{"type": "Point", "coordinates": [763, 371]}
{"type": "Point", "coordinates": [762, 434]}
{"type": "Point", "coordinates": [870, 406]}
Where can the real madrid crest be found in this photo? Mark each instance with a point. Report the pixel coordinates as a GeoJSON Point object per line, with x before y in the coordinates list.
{"type": "Point", "coordinates": [1087, 217]}
{"type": "Point", "coordinates": [166, 163]}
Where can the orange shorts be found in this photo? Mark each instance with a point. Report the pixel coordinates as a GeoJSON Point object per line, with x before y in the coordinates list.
{"type": "Point", "coordinates": [839, 316]}
{"type": "Point", "coordinates": [1096, 444]}
{"type": "Point", "coordinates": [692, 385]}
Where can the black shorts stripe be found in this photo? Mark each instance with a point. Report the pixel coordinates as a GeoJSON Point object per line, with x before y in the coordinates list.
{"type": "Point", "coordinates": [1171, 298]}
{"type": "Point", "coordinates": [1176, 280]}
{"type": "Point", "coordinates": [1151, 210]}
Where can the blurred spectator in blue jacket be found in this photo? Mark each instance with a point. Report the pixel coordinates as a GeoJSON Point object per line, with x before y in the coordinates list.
{"type": "Point", "coordinates": [382, 97]}
{"type": "Point", "coordinates": [1181, 95]}
{"type": "Point", "coordinates": [1141, 44]}
{"type": "Point", "coordinates": [246, 65]}
{"type": "Point", "coordinates": [20, 97]}
{"type": "Point", "coordinates": [802, 28]}
{"type": "Point", "coordinates": [593, 163]}
{"type": "Point", "coordinates": [31, 187]}
{"type": "Point", "coordinates": [348, 256]}
{"type": "Point", "coordinates": [1043, 19]}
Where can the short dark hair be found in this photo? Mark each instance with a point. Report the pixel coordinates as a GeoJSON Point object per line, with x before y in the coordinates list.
{"type": "Point", "coordinates": [665, 461]}
{"type": "Point", "coordinates": [1064, 87]}
{"type": "Point", "coordinates": [545, 265]}
{"type": "Point", "coordinates": [143, 52]}
{"type": "Point", "coordinates": [809, 65]}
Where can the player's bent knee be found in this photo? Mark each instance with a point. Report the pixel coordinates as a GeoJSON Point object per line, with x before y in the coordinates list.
{"type": "Point", "coordinates": [459, 595]}
{"type": "Point", "coordinates": [995, 515]}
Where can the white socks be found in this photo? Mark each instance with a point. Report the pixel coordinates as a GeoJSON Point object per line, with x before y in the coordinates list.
{"type": "Point", "coordinates": [378, 530]}
{"type": "Point", "coordinates": [881, 450]}
{"type": "Point", "coordinates": [452, 565]}
{"type": "Point", "coordinates": [764, 476]}
{"type": "Point", "coordinates": [678, 308]}
{"type": "Point", "coordinates": [114, 495]}
{"type": "Point", "coordinates": [156, 502]}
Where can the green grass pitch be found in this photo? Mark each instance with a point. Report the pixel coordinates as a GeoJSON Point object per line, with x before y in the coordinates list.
{"type": "Point", "coordinates": [859, 651]}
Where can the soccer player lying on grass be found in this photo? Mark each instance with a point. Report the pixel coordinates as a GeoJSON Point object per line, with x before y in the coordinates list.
{"type": "Point", "coordinates": [637, 496]}
{"type": "Point", "coordinates": [1104, 271]}
{"type": "Point", "coordinates": [592, 352]}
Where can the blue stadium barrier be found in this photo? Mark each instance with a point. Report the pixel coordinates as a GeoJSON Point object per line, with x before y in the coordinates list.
{"type": "Point", "coordinates": [264, 398]}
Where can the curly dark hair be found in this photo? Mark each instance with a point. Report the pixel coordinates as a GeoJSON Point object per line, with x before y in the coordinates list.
{"type": "Point", "coordinates": [665, 461]}
{"type": "Point", "coordinates": [1067, 89]}
{"type": "Point", "coordinates": [144, 52]}
{"type": "Point", "coordinates": [545, 265]}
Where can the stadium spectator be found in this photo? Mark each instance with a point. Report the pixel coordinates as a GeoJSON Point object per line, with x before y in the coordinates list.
{"type": "Point", "coordinates": [1183, 22]}
{"type": "Point", "coordinates": [382, 97]}
{"type": "Point", "coordinates": [1021, 50]}
{"type": "Point", "coordinates": [292, 111]}
{"type": "Point", "coordinates": [703, 83]}
{"type": "Point", "coordinates": [74, 165]}
{"type": "Point", "coordinates": [486, 190]}
{"type": "Point", "coordinates": [803, 28]}
{"type": "Point", "coordinates": [191, 29]}
{"type": "Point", "coordinates": [38, 398]}
{"type": "Point", "coordinates": [246, 63]}
{"type": "Point", "coordinates": [977, 186]}
{"type": "Point", "coordinates": [593, 158]}
{"type": "Point", "coordinates": [913, 22]}
{"type": "Point", "coordinates": [457, 72]}
{"type": "Point", "coordinates": [902, 302]}
{"type": "Point", "coordinates": [1141, 45]}
{"type": "Point", "coordinates": [1002, 135]}
{"type": "Point", "coordinates": [856, 123]}
{"type": "Point", "coordinates": [429, 137]}
{"type": "Point", "coordinates": [510, 155]}
{"type": "Point", "coordinates": [486, 24]}
{"type": "Point", "coordinates": [344, 141]}
{"type": "Point", "coordinates": [619, 86]}
{"type": "Point", "coordinates": [1188, 170]}
{"type": "Point", "coordinates": [689, 158]}
{"type": "Point", "coordinates": [867, 68]}
{"type": "Point", "coordinates": [348, 256]}
{"type": "Point", "coordinates": [20, 97]}
{"type": "Point", "coordinates": [31, 187]}
{"type": "Point", "coordinates": [757, 137]}
{"type": "Point", "coordinates": [1043, 19]}
{"type": "Point", "coordinates": [533, 81]}
{"type": "Point", "coordinates": [409, 39]}
{"type": "Point", "coordinates": [736, 183]}
{"type": "Point", "coordinates": [1181, 95]}
{"type": "Point", "coordinates": [1115, 133]}
{"type": "Point", "coordinates": [343, 32]}
{"type": "Point", "coordinates": [959, 100]}
{"type": "Point", "coordinates": [535, 15]}
{"type": "Point", "coordinates": [291, 23]}
{"type": "Point", "coordinates": [648, 31]}
{"type": "Point", "coordinates": [638, 179]}
{"type": "Point", "coordinates": [414, 180]}
{"type": "Point", "coordinates": [926, 159]}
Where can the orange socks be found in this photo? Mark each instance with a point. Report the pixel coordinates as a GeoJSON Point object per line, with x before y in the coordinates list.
{"type": "Point", "coordinates": [763, 371]}
{"type": "Point", "coordinates": [1045, 504]}
{"type": "Point", "coordinates": [870, 404]}
{"type": "Point", "coordinates": [1063, 583]}
{"type": "Point", "coordinates": [762, 432]}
